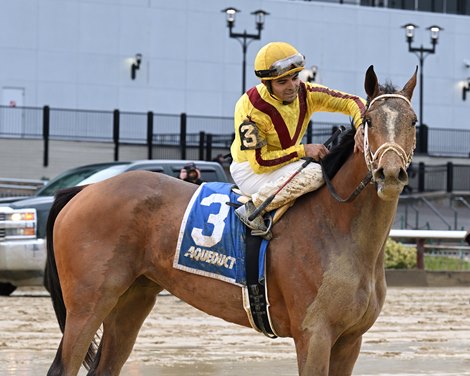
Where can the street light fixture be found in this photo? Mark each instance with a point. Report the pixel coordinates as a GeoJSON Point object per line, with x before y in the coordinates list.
{"type": "Point", "coordinates": [421, 53]}
{"type": "Point", "coordinates": [135, 66]}
{"type": "Point", "coordinates": [465, 88]}
{"type": "Point", "coordinates": [309, 74]}
{"type": "Point", "coordinates": [244, 38]}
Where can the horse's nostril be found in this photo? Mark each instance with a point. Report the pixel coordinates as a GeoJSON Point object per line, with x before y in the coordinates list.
{"type": "Point", "coordinates": [379, 174]}
{"type": "Point", "coordinates": [403, 176]}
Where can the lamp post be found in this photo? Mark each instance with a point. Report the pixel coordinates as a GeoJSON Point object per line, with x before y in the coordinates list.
{"type": "Point", "coordinates": [421, 53]}
{"type": "Point", "coordinates": [244, 38]}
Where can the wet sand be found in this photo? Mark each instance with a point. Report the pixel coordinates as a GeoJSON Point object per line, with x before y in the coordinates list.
{"type": "Point", "coordinates": [419, 332]}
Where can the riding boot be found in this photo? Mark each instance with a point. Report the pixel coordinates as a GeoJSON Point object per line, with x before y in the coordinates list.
{"type": "Point", "coordinates": [257, 225]}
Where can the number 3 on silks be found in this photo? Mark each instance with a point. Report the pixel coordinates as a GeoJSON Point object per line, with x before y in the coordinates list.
{"type": "Point", "coordinates": [217, 219]}
{"type": "Point", "coordinates": [249, 136]}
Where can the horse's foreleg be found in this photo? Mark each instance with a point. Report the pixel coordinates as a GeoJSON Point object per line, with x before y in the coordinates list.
{"type": "Point", "coordinates": [121, 327]}
{"type": "Point", "coordinates": [344, 355]}
{"type": "Point", "coordinates": [313, 352]}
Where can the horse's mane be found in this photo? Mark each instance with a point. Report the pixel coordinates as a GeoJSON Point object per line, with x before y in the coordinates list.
{"type": "Point", "coordinates": [339, 153]}
{"type": "Point", "coordinates": [345, 146]}
{"type": "Point", "coordinates": [387, 88]}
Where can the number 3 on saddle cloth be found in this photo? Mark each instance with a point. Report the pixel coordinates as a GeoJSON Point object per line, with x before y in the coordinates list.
{"type": "Point", "coordinates": [214, 243]}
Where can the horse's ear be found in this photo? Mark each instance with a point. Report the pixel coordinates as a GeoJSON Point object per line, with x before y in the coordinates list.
{"type": "Point", "coordinates": [410, 85]}
{"type": "Point", "coordinates": [371, 83]}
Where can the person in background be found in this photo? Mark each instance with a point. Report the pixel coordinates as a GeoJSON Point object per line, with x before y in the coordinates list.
{"type": "Point", "coordinates": [191, 174]}
{"type": "Point", "coordinates": [220, 159]}
{"type": "Point", "coordinates": [270, 121]}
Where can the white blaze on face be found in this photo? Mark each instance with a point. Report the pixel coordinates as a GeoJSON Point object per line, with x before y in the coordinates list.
{"type": "Point", "coordinates": [390, 120]}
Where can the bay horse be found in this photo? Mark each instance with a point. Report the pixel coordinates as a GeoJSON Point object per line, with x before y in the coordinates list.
{"type": "Point", "coordinates": [111, 247]}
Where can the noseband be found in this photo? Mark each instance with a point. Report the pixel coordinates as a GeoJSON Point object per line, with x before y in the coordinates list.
{"type": "Point", "coordinates": [370, 157]}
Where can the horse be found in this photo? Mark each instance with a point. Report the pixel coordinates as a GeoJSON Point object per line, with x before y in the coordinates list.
{"type": "Point", "coordinates": [111, 247]}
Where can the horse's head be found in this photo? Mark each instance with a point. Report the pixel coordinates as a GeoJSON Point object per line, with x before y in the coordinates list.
{"type": "Point", "coordinates": [389, 134]}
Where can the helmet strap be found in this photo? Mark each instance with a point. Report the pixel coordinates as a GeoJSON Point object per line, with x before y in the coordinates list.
{"type": "Point", "coordinates": [268, 85]}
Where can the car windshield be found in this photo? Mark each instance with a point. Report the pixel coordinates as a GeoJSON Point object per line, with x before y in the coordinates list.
{"type": "Point", "coordinates": [85, 175]}
{"type": "Point", "coordinates": [104, 174]}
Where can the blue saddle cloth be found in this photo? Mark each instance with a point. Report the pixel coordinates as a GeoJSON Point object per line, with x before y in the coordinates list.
{"type": "Point", "coordinates": [211, 240]}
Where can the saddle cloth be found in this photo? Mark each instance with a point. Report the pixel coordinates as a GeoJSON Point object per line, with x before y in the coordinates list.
{"type": "Point", "coordinates": [212, 240]}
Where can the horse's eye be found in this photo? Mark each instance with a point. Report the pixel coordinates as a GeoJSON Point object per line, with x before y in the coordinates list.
{"type": "Point", "coordinates": [413, 122]}
{"type": "Point", "coordinates": [368, 122]}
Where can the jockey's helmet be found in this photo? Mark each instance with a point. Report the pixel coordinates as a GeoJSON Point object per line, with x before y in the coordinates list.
{"type": "Point", "coordinates": [278, 59]}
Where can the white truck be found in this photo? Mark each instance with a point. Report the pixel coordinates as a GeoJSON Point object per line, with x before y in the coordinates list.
{"type": "Point", "coordinates": [22, 255]}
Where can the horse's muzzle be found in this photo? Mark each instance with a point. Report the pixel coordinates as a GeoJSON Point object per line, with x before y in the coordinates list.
{"type": "Point", "coordinates": [390, 180]}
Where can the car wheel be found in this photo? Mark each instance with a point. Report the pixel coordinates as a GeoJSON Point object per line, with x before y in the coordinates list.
{"type": "Point", "coordinates": [6, 289]}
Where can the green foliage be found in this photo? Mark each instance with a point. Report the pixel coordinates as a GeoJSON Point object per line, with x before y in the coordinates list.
{"type": "Point", "coordinates": [445, 263]}
{"type": "Point", "coordinates": [398, 256]}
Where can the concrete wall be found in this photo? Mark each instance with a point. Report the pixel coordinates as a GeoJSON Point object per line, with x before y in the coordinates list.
{"type": "Point", "coordinates": [77, 53]}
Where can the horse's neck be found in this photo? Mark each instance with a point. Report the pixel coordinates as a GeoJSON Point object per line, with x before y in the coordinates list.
{"type": "Point", "coordinates": [367, 219]}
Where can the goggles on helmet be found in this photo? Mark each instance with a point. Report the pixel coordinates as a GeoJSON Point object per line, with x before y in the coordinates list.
{"type": "Point", "coordinates": [283, 66]}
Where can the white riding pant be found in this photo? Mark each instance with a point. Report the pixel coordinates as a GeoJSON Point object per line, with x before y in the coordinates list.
{"type": "Point", "coordinates": [261, 186]}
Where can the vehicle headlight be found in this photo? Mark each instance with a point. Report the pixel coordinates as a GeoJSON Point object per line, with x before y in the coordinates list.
{"type": "Point", "coordinates": [22, 216]}
{"type": "Point", "coordinates": [17, 223]}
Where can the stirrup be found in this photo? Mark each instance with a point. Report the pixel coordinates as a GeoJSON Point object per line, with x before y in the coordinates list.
{"type": "Point", "coordinates": [265, 234]}
{"type": "Point", "coordinates": [258, 225]}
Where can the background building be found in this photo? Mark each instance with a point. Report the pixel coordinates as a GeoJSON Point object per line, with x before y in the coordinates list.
{"type": "Point", "coordinates": [76, 57]}
{"type": "Point", "coordinates": [77, 54]}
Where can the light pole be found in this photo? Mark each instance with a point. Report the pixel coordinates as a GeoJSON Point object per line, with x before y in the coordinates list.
{"type": "Point", "coordinates": [244, 38]}
{"type": "Point", "coordinates": [421, 53]}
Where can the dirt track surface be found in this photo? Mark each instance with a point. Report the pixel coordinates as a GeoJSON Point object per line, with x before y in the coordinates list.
{"type": "Point", "coordinates": [420, 332]}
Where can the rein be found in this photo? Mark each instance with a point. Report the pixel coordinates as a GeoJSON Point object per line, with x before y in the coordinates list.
{"type": "Point", "coordinates": [371, 158]}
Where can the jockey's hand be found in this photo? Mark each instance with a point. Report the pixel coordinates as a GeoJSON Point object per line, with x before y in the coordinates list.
{"type": "Point", "coordinates": [359, 140]}
{"type": "Point", "coordinates": [316, 151]}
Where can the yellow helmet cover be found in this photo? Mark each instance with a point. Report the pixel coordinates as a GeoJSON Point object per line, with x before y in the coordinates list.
{"type": "Point", "coordinates": [278, 59]}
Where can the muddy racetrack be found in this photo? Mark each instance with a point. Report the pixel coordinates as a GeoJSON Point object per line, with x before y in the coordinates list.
{"type": "Point", "coordinates": [420, 332]}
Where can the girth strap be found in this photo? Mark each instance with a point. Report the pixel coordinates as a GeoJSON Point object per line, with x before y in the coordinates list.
{"type": "Point", "coordinates": [257, 294]}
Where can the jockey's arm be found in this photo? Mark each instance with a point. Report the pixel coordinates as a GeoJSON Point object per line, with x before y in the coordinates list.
{"type": "Point", "coordinates": [325, 99]}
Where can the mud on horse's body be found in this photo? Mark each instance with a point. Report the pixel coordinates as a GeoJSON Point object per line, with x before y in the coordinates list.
{"type": "Point", "coordinates": [111, 248]}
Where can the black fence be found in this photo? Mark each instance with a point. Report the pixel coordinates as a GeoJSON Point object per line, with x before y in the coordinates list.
{"type": "Point", "coordinates": [207, 134]}
{"type": "Point", "coordinates": [449, 177]}
{"type": "Point", "coordinates": [175, 130]}
{"type": "Point", "coordinates": [210, 136]}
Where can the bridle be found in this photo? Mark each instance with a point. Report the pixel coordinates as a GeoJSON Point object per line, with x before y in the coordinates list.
{"type": "Point", "coordinates": [370, 157]}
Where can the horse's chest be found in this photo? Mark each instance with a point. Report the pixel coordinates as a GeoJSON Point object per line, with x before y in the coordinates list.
{"type": "Point", "coordinates": [347, 300]}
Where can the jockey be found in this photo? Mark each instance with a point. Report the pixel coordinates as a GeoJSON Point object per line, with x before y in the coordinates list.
{"type": "Point", "coordinates": [270, 122]}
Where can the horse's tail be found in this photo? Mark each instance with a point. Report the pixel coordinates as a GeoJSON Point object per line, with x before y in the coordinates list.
{"type": "Point", "coordinates": [51, 276]}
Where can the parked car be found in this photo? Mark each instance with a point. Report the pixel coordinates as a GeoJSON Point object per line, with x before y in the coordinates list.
{"type": "Point", "coordinates": [23, 222]}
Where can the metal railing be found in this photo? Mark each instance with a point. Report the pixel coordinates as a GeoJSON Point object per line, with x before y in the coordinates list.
{"type": "Point", "coordinates": [19, 187]}
{"type": "Point", "coordinates": [434, 211]}
{"type": "Point", "coordinates": [141, 128]}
